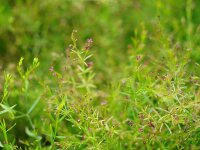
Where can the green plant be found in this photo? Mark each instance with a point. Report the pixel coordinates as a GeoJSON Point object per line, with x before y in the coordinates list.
{"type": "Point", "coordinates": [136, 86]}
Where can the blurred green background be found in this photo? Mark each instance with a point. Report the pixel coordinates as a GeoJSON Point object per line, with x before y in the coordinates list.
{"type": "Point", "coordinates": [35, 28]}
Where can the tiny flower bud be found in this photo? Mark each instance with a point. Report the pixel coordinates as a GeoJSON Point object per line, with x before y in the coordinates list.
{"type": "Point", "coordinates": [140, 130]}
{"type": "Point", "coordinates": [130, 123]}
{"type": "Point", "coordinates": [90, 64]}
{"type": "Point", "coordinates": [150, 124]}
{"type": "Point", "coordinates": [138, 57]}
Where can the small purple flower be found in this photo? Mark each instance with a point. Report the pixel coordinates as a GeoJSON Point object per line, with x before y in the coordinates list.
{"type": "Point", "coordinates": [88, 44]}
{"type": "Point", "coordinates": [51, 69]}
{"type": "Point", "coordinates": [89, 40]}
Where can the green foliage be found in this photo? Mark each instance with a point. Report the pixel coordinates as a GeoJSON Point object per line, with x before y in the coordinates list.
{"type": "Point", "coordinates": [136, 86]}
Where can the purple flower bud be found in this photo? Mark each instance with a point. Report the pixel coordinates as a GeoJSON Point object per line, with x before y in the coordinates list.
{"type": "Point", "coordinates": [87, 47]}
{"type": "Point", "coordinates": [90, 64]}
{"type": "Point", "coordinates": [140, 130]}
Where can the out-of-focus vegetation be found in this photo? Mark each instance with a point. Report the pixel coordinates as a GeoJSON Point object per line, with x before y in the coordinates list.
{"type": "Point", "coordinates": [99, 74]}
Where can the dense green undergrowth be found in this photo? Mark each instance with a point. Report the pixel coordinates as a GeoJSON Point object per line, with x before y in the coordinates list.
{"type": "Point", "coordinates": [120, 84]}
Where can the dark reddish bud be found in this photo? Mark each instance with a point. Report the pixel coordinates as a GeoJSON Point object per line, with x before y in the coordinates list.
{"type": "Point", "coordinates": [87, 47]}
{"type": "Point", "coordinates": [163, 78]}
{"type": "Point", "coordinates": [150, 124]}
{"type": "Point", "coordinates": [90, 64]}
{"type": "Point", "coordinates": [130, 123]}
{"type": "Point", "coordinates": [127, 97]}
{"type": "Point", "coordinates": [83, 137]}
{"type": "Point", "coordinates": [138, 57]}
{"type": "Point", "coordinates": [140, 130]}
{"type": "Point", "coordinates": [141, 116]}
